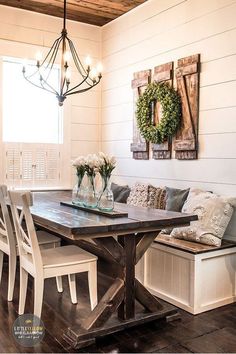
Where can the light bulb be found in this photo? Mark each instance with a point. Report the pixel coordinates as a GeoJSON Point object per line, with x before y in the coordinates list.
{"type": "Point", "coordinates": [93, 74]}
{"type": "Point", "coordinates": [38, 56]}
{"type": "Point", "coordinates": [66, 56]}
{"type": "Point", "coordinates": [68, 75]}
{"type": "Point", "coordinates": [88, 61]}
{"type": "Point", "coordinates": [99, 68]}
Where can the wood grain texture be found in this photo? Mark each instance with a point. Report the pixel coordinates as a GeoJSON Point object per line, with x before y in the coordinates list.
{"type": "Point", "coordinates": [139, 146]}
{"type": "Point", "coordinates": [88, 11]}
{"type": "Point", "coordinates": [162, 73]}
{"type": "Point", "coordinates": [77, 224]}
{"type": "Point", "coordinates": [187, 76]}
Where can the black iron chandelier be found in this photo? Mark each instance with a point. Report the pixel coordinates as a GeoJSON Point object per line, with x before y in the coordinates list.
{"type": "Point", "coordinates": [63, 46]}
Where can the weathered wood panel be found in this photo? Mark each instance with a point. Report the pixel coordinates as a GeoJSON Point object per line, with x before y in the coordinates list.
{"type": "Point", "coordinates": [139, 146]}
{"type": "Point", "coordinates": [162, 73]}
{"type": "Point", "coordinates": [88, 11]}
{"type": "Point", "coordinates": [187, 76]}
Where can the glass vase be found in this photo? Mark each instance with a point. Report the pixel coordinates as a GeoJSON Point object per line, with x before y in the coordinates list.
{"type": "Point", "coordinates": [78, 192]}
{"type": "Point", "coordinates": [90, 195]}
{"type": "Point", "coordinates": [106, 198]}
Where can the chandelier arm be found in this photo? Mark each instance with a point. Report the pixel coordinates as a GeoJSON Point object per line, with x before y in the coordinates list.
{"type": "Point", "coordinates": [76, 54]}
{"type": "Point", "coordinates": [52, 58]}
{"type": "Point", "coordinates": [52, 49]}
{"type": "Point", "coordinates": [42, 88]}
{"type": "Point", "coordinates": [53, 54]}
{"type": "Point", "coordinates": [31, 75]}
{"type": "Point", "coordinates": [77, 85]}
{"type": "Point", "coordinates": [46, 83]}
{"type": "Point", "coordinates": [76, 59]}
{"type": "Point", "coordinates": [83, 90]}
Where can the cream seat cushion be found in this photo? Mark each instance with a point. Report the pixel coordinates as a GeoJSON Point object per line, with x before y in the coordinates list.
{"type": "Point", "coordinates": [214, 213]}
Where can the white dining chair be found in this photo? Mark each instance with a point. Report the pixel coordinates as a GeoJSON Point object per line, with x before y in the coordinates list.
{"type": "Point", "coordinates": [47, 263]}
{"type": "Point", "coordinates": [8, 244]}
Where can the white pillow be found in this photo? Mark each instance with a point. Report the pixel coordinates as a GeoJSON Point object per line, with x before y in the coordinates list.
{"type": "Point", "coordinates": [214, 213]}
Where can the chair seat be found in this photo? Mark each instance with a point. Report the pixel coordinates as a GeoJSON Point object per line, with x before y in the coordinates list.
{"type": "Point", "coordinates": [65, 255]}
{"type": "Point", "coordinates": [45, 238]}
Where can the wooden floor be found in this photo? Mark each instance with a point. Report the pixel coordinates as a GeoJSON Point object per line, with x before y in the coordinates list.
{"type": "Point", "coordinates": [211, 332]}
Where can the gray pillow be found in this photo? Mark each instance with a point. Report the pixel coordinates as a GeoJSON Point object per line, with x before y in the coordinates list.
{"type": "Point", "coordinates": [120, 193]}
{"type": "Point", "coordinates": [175, 198]}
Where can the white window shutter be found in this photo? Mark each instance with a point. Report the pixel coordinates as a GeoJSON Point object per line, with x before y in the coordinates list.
{"type": "Point", "coordinates": [12, 165]}
{"type": "Point", "coordinates": [32, 165]}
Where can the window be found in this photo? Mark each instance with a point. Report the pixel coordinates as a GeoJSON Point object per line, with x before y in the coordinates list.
{"type": "Point", "coordinates": [30, 115]}
{"type": "Point", "coordinates": [32, 131]}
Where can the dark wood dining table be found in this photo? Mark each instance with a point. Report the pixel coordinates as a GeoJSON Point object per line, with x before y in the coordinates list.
{"type": "Point", "coordinates": [120, 241]}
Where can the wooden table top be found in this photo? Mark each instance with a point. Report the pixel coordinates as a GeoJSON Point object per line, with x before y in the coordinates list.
{"type": "Point", "coordinates": [75, 224]}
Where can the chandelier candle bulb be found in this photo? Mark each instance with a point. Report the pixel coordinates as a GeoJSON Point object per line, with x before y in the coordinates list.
{"type": "Point", "coordinates": [66, 57]}
{"type": "Point", "coordinates": [68, 76]}
{"type": "Point", "coordinates": [94, 74]}
{"type": "Point", "coordinates": [99, 68]}
{"type": "Point", "coordinates": [88, 62]}
{"type": "Point", "coordinates": [38, 58]}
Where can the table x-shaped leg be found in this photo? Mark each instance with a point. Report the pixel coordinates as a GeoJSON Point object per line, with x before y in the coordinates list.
{"type": "Point", "coordinates": [125, 252]}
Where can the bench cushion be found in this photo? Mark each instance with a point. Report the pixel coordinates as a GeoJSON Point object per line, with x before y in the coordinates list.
{"type": "Point", "coordinates": [191, 247]}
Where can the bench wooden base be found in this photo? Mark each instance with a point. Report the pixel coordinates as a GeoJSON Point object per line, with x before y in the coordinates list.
{"type": "Point", "coordinates": [194, 277]}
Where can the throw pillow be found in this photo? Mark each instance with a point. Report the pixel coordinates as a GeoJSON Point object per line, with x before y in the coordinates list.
{"type": "Point", "coordinates": [214, 213]}
{"type": "Point", "coordinates": [138, 195]}
{"type": "Point", "coordinates": [151, 196]}
{"type": "Point", "coordinates": [175, 198]}
{"type": "Point", "coordinates": [144, 195]}
{"type": "Point", "coordinates": [120, 193]}
{"type": "Point", "coordinates": [160, 199]}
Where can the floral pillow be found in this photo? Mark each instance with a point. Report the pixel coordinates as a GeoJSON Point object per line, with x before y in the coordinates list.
{"type": "Point", "coordinates": [214, 213]}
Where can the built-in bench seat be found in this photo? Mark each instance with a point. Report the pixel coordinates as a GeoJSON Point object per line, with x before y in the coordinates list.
{"type": "Point", "coordinates": [191, 247]}
{"type": "Point", "coordinates": [192, 276]}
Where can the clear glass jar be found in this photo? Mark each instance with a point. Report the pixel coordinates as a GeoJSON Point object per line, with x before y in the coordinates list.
{"type": "Point", "coordinates": [78, 192]}
{"type": "Point", "coordinates": [106, 198]}
{"type": "Point", "coordinates": [90, 195]}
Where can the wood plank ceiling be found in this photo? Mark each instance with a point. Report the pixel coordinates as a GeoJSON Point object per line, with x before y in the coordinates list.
{"type": "Point", "coordinates": [94, 12]}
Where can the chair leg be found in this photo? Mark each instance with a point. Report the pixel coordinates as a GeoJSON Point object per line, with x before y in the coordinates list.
{"type": "Point", "coordinates": [92, 282]}
{"type": "Point", "coordinates": [1, 264]}
{"type": "Point", "coordinates": [72, 286]}
{"type": "Point", "coordinates": [59, 284]}
{"type": "Point", "coordinates": [23, 290]}
{"type": "Point", "coordinates": [38, 295]}
{"type": "Point", "coordinates": [11, 277]}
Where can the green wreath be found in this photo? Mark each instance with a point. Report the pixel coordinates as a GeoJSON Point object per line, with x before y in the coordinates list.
{"type": "Point", "coordinates": [171, 112]}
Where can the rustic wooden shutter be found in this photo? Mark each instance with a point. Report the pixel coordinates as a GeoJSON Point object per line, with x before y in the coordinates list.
{"type": "Point", "coordinates": [162, 73]}
{"type": "Point", "coordinates": [187, 76]}
{"type": "Point", "coordinates": [139, 147]}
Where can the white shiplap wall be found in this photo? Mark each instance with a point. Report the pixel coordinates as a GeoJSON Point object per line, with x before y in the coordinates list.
{"type": "Point", "coordinates": [22, 33]}
{"type": "Point", "coordinates": [157, 32]}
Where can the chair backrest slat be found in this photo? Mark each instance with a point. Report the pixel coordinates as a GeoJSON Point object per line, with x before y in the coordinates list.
{"type": "Point", "coordinates": [26, 237]}
{"type": "Point", "coordinates": [6, 227]}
